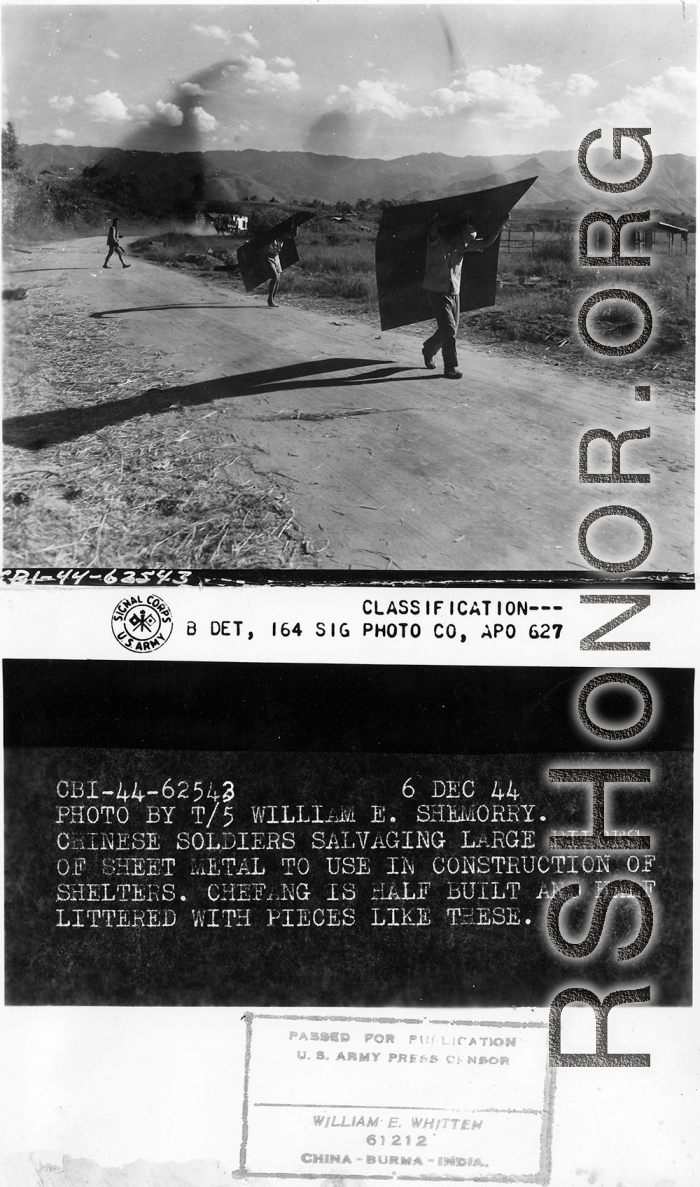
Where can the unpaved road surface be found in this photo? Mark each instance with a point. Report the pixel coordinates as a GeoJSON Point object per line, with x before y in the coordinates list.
{"type": "Point", "coordinates": [388, 465]}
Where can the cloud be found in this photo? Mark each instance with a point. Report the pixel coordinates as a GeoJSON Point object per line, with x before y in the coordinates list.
{"type": "Point", "coordinates": [140, 111]}
{"type": "Point", "coordinates": [263, 79]}
{"type": "Point", "coordinates": [211, 31]}
{"type": "Point", "coordinates": [508, 95]}
{"type": "Point", "coordinates": [287, 63]}
{"type": "Point", "coordinates": [377, 96]}
{"type": "Point", "coordinates": [63, 134]}
{"type": "Point", "coordinates": [106, 107]}
{"type": "Point", "coordinates": [193, 88]}
{"type": "Point", "coordinates": [249, 39]}
{"type": "Point", "coordinates": [111, 53]}
{"type": "Point", "coordinates": [580, 85]}
{"type": "Point", "coordinates": [62, 103]}
{"type": "Point", "coordinates": [202, 120]}
{"type": "Point", "coordinates": [672, 92]}
{"type": "Point", "coordinates": [168, 113]}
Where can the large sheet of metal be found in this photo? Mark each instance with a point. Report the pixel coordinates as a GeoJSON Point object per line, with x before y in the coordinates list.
{"type": "Point", "coordinates": [401, 243]}
{"type": "Point", "coordinates": [250, 262]}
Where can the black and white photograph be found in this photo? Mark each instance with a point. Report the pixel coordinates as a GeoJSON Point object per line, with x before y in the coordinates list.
{"type": "Point", "coordinates": [411, 288]}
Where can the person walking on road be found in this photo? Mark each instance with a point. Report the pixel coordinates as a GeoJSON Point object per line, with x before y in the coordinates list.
{"type": "Point", "coordinates": [114, 245]}
{"type": "Point", "coordinates": [447, 245]}
{"type": "Point", "coordinates": [270, 253]}
{"type": "Point", "coordinates": [271, 259]}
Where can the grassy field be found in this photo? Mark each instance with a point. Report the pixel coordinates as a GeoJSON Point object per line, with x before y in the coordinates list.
{"type": "Point", "coordinates": [539, 293]}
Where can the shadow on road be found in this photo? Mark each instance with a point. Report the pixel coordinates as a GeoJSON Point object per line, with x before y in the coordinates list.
{"type": "Point", "coordinates": [69, 269]}
{"type": "Point", "coordinates": [152, 308]}
{"type": "Point", "coordinates": [40, 430]}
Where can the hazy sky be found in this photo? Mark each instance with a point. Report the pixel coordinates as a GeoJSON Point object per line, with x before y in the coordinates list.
{"type": "Point", "coordinates": [364, 80]}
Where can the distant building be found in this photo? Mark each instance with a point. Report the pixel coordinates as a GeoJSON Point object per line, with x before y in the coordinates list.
{"type": "Point", "coordinates": [663, 233]}
{"type": "Point", "coordinates": [227, 224]}
{"type": "Point", "coordinates": [659, 234]}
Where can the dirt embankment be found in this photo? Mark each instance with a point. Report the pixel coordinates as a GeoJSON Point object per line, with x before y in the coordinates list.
{"type": "Point", "coordinates": [94, 478]}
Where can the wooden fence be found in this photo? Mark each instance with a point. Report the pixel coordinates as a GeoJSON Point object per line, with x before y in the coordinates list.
{"type": "Point", "coordinates": [512, 240]}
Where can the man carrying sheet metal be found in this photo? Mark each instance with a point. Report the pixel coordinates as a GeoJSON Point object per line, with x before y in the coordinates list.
{"type": "Point", "coordinates": [448, 243]}
{"type": "Point", "coordinates": [262, 259]}
{"type": "Point", "coordinates": [270, 253]}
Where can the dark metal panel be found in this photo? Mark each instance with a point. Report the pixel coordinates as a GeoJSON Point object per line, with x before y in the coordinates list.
{"type": "Point", "coordinates": [400, 251]}
{"type": "Point", "coordinates": [253, 271]}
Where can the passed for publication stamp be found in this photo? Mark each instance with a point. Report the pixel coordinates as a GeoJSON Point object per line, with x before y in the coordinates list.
{"type": "Point", "coordinates": [465, 1098]}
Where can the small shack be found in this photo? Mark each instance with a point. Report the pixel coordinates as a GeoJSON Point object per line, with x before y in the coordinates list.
{"type": "Point", "coordinates": [667, 233]}
{"type": "Point", "coordinates": [659, 235]}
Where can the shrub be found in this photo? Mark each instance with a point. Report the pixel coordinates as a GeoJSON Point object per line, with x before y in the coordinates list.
{"type": "Point", "coordinates": [263, 219]}
{"type": "Point", "coordinates": [558, 247]}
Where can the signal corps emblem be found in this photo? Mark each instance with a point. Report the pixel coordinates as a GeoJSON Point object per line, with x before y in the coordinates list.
{"type": "Point", "coordinates": [142, 624]}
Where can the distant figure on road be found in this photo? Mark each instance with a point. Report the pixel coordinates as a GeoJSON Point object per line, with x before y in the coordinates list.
{"type": "Point", "coordinates": [113, 245]}
{"type": "Point", "coordinates": [270, 253]}
{"type": "Point", "coordinates": [448, 243]}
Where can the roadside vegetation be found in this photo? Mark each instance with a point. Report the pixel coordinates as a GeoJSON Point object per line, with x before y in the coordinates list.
{"type": "Point", "coordinates": [540, 293]}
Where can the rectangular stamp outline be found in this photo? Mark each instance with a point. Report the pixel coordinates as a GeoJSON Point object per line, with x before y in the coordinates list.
{"type": "Point", "coordinates": [547, 1111]}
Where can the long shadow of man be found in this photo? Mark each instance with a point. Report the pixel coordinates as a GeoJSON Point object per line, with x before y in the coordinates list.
{"type": "Point", "coordinates": [42, 429]}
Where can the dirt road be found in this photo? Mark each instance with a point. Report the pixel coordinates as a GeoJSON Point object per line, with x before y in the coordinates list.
{"type": "Point", "coordinates": [388, 465]}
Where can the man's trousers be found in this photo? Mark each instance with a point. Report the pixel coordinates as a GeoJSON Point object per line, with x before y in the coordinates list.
{"type": "Point", "coordinates": [114, 247]}
{"type": "Point", "coordinates": [445, 309]}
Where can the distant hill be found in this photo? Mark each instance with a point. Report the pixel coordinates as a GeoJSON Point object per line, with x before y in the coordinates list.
{"type": "Point", "coordinates": [670, 187]}
{"type": "Point", "coordinates": [160, 180]}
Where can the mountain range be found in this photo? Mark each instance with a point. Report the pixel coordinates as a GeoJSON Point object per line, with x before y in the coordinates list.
{"type": "Point", "coordinates": [160, 179]}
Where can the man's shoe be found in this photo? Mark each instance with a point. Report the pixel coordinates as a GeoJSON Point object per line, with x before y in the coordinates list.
{"type": "Point", "coordinates": [106, 266]}
{"type": "Point", "coordinates": [453, 374]}
{"type": "Point", "coordinates": [428, 360]}
{"type": "Point", "coordinates": [126, 265]}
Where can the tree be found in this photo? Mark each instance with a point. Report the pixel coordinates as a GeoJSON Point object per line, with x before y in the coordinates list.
{"type": "Point", "coordinates": [263, 219]}
{"type": "Point", "coordinates": [198, 183]}
{"type": "Point", "coordinates": [10, 147]}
